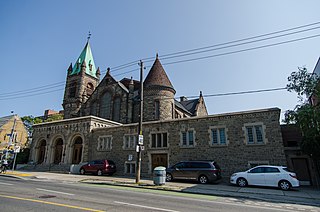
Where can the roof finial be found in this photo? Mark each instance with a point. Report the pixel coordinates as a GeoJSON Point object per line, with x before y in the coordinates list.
{"type": "Point", "coordinates": [157, 56]}
{"type": "Point", "coordinates": [89, 35]}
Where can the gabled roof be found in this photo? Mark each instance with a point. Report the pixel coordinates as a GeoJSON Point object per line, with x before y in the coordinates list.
{"type": "Point", "coordinates": [4, 120]}
{"type": "Point", "coordinates": [86, 59]}
{"type": "Point", "coordinates": [157, 76]}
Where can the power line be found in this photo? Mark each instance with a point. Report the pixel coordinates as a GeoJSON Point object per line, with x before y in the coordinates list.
{"type": "Point", "coordinates": [239, 40]}
{"type": "Point", "coordinates": [235, 45]}
{"type": "Point", "coordinates": [46, 87]}
{"type": "Point", "coordinates": [243, 50]}
{"type": "Point", "coordinates": [148, 59]}
{"type": "Point", "coordinates": [36, 94]}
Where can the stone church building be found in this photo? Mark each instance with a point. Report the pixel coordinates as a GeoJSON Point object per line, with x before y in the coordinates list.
{"type": "Point", "coordinates": [101, 121]}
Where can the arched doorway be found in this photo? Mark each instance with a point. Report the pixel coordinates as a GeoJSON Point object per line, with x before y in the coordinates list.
{"type": "Point", "coordinates": [77, 151]}
{"type": "Point", "coordinates": [58, 151]}
{"type": "Point", "coordinates": [41, 151]}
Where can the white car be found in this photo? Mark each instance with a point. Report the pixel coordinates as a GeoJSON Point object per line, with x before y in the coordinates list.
{"type": "Point", "coordinates": [275, 176]}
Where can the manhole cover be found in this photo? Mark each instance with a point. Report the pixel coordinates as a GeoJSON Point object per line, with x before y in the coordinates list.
{"type": "Point", "coordinates": [47, 196]}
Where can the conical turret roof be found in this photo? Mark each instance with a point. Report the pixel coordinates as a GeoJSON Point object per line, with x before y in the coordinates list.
{"type": "Point", "coordinates": [85, 58]}
{"type": "Point", "coordinates": [157, 76]}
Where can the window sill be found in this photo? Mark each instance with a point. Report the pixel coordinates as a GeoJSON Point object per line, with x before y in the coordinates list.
{"type": "Point", "coordinates": [187, 147]}
{"type": "Point", "coordinates": [218, 145]}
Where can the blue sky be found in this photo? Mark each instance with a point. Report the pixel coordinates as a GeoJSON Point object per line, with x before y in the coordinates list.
{"type": "Point", "coordinates": [39, 40]}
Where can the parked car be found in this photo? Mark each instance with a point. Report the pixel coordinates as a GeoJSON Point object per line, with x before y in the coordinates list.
{"type": "Point", "coordinates": [99, 167]}
{"type": "Point", "coordinates": [274, 176]}
{"type": "Point", "coordinates": [202, 171]}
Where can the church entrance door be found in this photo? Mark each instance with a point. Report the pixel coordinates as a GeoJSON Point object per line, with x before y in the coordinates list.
{"type": "Point", "coordinates": [77, 151]}
{"type": "Point", "coordinates": [42, 151]}
{"type": "Point", "coordinates": [159, 160]}
{"type": "Point", "coordinates": [58, 151]}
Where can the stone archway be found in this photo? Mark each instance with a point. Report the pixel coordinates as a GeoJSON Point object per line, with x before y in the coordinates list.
{"type": "Point", "coordinates": [58, 151]}
{"type": "Point", "coordinates": [41, 151]}
{"type": "Point", "coordinates": [77, 151]}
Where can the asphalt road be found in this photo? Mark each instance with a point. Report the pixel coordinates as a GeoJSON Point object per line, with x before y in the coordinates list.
{"type": "Point", "coordinates": [41, 195]}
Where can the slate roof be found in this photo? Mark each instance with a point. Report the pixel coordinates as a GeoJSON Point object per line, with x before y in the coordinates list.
{"type": "Point", "coordinates": [179, 105]}
{"type": "Point", "coordinates": [190, 105]}
{"type": "Point", "coordinates": [317, 68]}
{"type": "Point", "coordinates": [157, 76]}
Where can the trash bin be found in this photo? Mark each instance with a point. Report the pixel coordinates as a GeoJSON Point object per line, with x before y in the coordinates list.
{"type": "Point", "coordinates": [159, 175]}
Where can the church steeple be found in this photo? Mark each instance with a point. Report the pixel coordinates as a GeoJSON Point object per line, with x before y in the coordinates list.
{"type": "Point", "coordinates": [86, 59]}
{"type": "Point", "coordinates": [82, 80]}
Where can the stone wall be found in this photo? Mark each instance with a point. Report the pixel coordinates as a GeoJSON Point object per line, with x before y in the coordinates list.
{"type": "Point", "coordinates": [236, 155]}
{"type": "Point", "coordinates": [67, 130]}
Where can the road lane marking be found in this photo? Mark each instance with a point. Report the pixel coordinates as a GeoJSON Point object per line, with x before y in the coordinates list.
{"type": "Point", "coordinates": [58, 192]}
{"type": "Point", "coordinates": [143, 206]}
{"type": "Point", "coordinates": [51, 203]}
{"type": "Point", "coordinates": [6, 184]}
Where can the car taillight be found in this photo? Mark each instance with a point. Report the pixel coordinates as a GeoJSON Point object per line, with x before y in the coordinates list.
{"type": "Point", "coordinates": [293, 176]}
{"type": "Point", "coordinates": [107, 165]}
{"type": "Point", "coordinates": [214, 171]}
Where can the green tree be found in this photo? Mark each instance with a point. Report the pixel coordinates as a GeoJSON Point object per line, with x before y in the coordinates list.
{"type": "Point", "coordinates": [54, 117]}
{"type": "Point", "coordinates": [305, 115]}
{"type": "Point", "coordinates": [29, 121]}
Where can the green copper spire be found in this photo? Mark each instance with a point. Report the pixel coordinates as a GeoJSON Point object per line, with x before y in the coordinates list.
{"type": "Point", "coordinates": [85, 59]}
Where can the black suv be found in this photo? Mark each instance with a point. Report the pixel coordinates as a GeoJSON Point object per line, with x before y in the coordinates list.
{"type": "Point", "coordinates": [202, 171]}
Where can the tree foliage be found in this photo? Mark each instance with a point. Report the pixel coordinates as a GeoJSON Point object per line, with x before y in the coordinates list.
{"type": "Point", "coordinates": [305, 115]}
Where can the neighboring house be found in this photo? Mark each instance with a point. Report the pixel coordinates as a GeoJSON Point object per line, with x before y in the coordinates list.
{"type": "Point", "coordinates": [101, 122]}
{"type": "Point", "coordinates": [12, 125]}
{"type": "Point", "coordinates": [314, 99]}
{"type": "Point", "coordinates": [297, 160]}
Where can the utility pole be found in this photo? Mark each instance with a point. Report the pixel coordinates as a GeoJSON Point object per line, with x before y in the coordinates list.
{"type": "Point", "coordinates": [11, 135]}
{"type": "Point", "coordinates": [140, 135]}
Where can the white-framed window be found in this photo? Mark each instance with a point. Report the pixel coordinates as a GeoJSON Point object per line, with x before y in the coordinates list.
{"type": "Point", "coordinates": [129, 141]}
{"type": "Point", "coordinates": [255, 134]}
{"type": "Point", "coordinates": [159, 140]}
{"type": "Point", "coordinates": [187, 138]}
{"type": "Point", "coordinates": [104, 143]}
{"type": "Point", "coordinates": [218, 136]}
{"type": "Point", "coordinates": [129, 167]}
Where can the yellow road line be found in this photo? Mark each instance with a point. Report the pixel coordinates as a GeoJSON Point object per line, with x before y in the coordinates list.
{"type": "Point", "coordinates": [51, 203]}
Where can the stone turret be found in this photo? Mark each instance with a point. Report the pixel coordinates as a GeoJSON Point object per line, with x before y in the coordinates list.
{"type": "Point", "coordinates": [158, 94]}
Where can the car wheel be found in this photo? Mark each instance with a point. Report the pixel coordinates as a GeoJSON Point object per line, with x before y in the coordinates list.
{"type": "Point", "coordinates": [284, 185]}
{"type": "Point", "coordinates": [169, 177]}
{"type": "Point", "coordinates": [82, 171]}
{"type": "Point", "coordinates": [99, 172]}
{"type": "Point", "coordinates": [203, 179]}
{"type": "Point", "coordinates": [242, 182]}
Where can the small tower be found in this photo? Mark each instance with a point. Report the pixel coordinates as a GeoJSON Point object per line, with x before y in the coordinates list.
{"type": "Point", "coordinates": [82, 79]}
{"type": "Point", "coordinates": [158, 94]}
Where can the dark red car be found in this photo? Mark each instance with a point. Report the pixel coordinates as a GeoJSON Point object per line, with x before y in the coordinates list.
{"type": "Point", "coordinates": [99, 167]}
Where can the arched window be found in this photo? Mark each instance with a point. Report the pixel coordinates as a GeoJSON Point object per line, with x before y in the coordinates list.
{"type": "Point", "coordinates": [116, 109]}
{"type": "Point", "coordinates": [105, 106]}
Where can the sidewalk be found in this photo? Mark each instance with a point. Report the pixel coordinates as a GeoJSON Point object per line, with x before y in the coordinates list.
{"type": "Point", "coordinates": [302, 195]}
